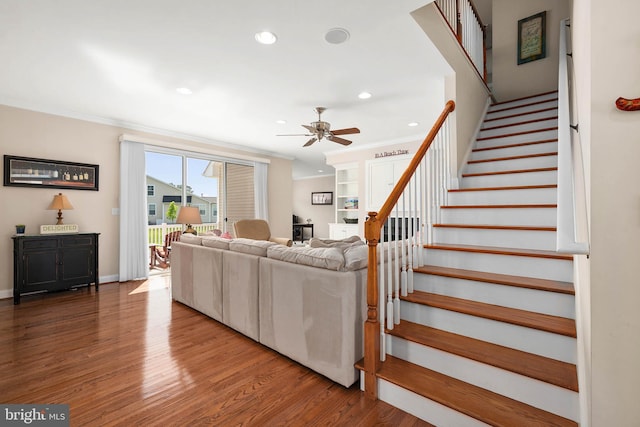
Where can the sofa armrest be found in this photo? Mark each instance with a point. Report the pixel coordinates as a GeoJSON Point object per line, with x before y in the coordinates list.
{"type": "Point", "coordinates": [281, 241]}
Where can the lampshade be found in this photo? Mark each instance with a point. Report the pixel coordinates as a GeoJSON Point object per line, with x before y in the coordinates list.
{"type": "Point", "coordinates": [189, 215]}
{"type": "Point", "coordinates": [60, 202]}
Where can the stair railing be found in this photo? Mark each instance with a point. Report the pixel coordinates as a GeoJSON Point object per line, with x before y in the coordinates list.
{"type": "Point", "coordinates": [570, 164]}
{"type": "Point", "coordinates": [407, 217]}
{"type": "Point", "coordinates": [465, 23]}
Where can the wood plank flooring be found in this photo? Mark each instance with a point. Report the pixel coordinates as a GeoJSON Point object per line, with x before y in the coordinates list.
{"type": "Point", "coordinates": [129, 356]}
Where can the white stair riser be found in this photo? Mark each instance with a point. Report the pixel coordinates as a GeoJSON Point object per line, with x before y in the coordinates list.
{"type": "Point", "coordinates": [554, 304]}
{"type": "Point", "coordinates": [530, 340]}
{"type": "Point", "coordinates": [503, 197]}
{"type": "Point", "coordinates": [510, 179]}
{"type": "Point", "coordinates": [512, 165]}
{"type": "Point", "coordinates": [517, 139]}
{"type": "Point", "coordinates": [497, 112]}
{"type": "Point", "coordinates": [542, 268]}
{"type": "Point", "coordinates": [423, 408]}
{"type": "Point", "coordinates": [524, 127]}
{"type": "Point", "coordinates": [523, 150]}
{"type": "Point", "coordinates": [521, 102]}
{"type": "Point", "coordinates": [538, 217]}
{"type": "Point", "coordinates": [522, 239]}
{"type": "Point", "coordinates": [540, 394]}
{"type": "Point", "coordinates": [490, 122]}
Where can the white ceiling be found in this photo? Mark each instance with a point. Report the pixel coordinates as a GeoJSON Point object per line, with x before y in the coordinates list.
{"type": "Point", "coordinates": [122, 60]}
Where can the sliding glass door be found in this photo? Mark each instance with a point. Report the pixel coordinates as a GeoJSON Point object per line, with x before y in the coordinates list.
{"type": "Point", "coordinates": [223, 190]}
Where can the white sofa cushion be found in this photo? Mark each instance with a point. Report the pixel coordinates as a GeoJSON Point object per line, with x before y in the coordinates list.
{"type": "Point", "coordinates": [327, 258]}
{"type": "Point", "coordinates": [250, 246]}
{"type": "Point", "coordinates": [356, 257]}
{"type": "Point", "coordinates": [192, 239]}
{"type": "Point", "coordinates": [215, 242]}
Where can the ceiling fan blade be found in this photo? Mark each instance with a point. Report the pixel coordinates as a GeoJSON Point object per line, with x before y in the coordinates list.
{"type": "Point", "coordinates": [339, 140]}
{"type": "Point", "coordinates": [309, 142]}
{"type": "Point", "coordinates": [345, 131]}
{"type": "Point", "coordinates": [309, 128]}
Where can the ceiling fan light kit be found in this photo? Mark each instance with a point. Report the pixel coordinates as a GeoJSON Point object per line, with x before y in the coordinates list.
{"type": "Point", "coordinates": [321, 129]}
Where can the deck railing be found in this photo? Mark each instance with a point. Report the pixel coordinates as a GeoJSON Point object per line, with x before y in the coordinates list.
{"type": "Point", "coordinates": [465, 23]}
{"type": "Point", "coordinates": [157, 232]}
{"type": "Point", "coordinates": [407, 217]}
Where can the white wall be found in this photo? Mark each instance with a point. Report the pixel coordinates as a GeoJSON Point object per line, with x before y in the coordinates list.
{"type": "Point", "coordinates": [511, 80]}
{"type": "Point", "coordinates": [606, 36]}
{"type": "Point", "coordinates": [464, 85]}
{"type": "Point", "coordinates": [321, 215]}
{"type": "Point", "coordinates": [32, 134]}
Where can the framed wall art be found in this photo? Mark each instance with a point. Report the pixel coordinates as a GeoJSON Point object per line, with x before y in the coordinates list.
{"type": "Point", "coordinates": [532, 38]}
{"type": "Point", "coordinates": [30, 172]}
{"type": "Point", "coordinates": [322, 198]}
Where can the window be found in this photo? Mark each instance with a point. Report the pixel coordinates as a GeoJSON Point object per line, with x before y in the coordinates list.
{"type": "Point", "coordinates": [202, 209]}
{"type": "Point", "coordinates": [151, 190]}
{"type": "Point", "coordinates": [152, 209]}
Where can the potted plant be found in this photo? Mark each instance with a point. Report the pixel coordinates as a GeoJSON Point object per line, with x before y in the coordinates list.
{"type": "Point", "coordinates": [20, 229]}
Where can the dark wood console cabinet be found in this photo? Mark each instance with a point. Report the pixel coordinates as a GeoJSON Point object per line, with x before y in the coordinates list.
{"type": "Point", "coordinates": [54, 262]}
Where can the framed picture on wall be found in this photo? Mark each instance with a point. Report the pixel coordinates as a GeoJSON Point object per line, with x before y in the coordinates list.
{"type": "Point", "coordinates": [322, 198]}
{"type": "Point", "coordinates": [43, 173]}
{"type": "Point", "coordinates": [532, 38]}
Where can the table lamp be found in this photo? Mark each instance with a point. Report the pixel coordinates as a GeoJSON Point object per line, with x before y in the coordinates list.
{"type": "Point", "coordinates": [189, 215]}
{"type": "Point", "coordinates": [60, 202]}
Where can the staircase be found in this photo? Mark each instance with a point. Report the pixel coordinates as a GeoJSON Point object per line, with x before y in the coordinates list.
{"type": "Point", "coordinates": [489, 336]}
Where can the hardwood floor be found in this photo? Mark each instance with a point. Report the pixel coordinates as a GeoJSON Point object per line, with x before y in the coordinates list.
{"type": "Point", "coordinates": [128, 355]}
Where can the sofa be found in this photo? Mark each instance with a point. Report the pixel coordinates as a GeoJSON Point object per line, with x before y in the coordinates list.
{"type": "Point", "coordinates": [307, 303]}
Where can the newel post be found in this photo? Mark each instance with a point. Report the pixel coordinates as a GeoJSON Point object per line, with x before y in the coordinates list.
{"type": "Point", "coordinates": [372, 325]}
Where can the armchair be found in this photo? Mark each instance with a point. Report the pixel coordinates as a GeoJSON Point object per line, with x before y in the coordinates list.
{"type": "Point", "coordinates": [160, 255]}
{"type": "Point", "coordinates": [257, 229]}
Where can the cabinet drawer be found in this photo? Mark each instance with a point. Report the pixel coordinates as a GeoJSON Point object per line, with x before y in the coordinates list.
{"type": "Point", "coordinates": [40, 244]}
{"type": "Point", "coordinates": [77, 241]}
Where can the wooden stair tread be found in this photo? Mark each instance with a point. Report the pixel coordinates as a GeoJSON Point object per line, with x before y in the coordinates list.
{"type": "Point", "coordinates": [493, 104]}
{"type": "Point", "coordinates": [524, 156]}
{"type": "Point", "coordinates": [520, 206]}
{"type": "Point", "coordinates": [528, 319]}
{"type": "Point", "coordinates": [519, 144]}
{"type": "Point", "coordinates": [476, 402]}
{"type": "Point", "coordinates": [507, 135]}
{"type": "Point", "coordinates": [513, 187]}
{"type": "Point", "coordinates": [556, 372]}
{"type": "Point", "coordinates": [530, 104]}
{"type": "Point", "coordinates": [551, 169]}
{"type": "Point", "coordinates": [543, 110]}
{"type": "Point", "coordinates": [500, 279]}
{"type": "Point", "coordinates": [535, 253]}
{"type": "Point", "coordinates": [497, 227]}
{"type": "Point", "coordinates": [526, 122]}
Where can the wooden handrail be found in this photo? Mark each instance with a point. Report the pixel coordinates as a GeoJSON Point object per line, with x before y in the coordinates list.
{"type": "Point", "coordinates": [372, 230]}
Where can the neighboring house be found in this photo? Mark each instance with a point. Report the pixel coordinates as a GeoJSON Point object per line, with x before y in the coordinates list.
{"type": "Point", "coordinates": [160, 195]}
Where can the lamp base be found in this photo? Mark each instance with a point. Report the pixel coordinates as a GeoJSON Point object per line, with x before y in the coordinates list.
{"type": "Point", "coordinates": [190, 230]}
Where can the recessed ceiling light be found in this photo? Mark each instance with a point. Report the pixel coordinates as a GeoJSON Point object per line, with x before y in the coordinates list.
{"type": "Point", "coordinates": [413, 124]}
{"type": "Point", "coordinates": [281, 122]}
{"type": "Point", "coordinates": [336, 36]}
{"type": "Point", "coordinates": [184, 91]}
{"type": "Point", "coordinates": [364, 95]}
{"type": "Point", "coordinates": [320, 171]}
{"type": "Point", "coordinates": [266, 37]}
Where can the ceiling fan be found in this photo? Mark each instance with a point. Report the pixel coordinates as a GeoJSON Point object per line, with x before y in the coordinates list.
{"type": "Point", "coordinates": [320, 129]}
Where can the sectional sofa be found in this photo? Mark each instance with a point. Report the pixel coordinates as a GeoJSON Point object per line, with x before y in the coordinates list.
{"type": "Point", "coordinates": [307, 303]}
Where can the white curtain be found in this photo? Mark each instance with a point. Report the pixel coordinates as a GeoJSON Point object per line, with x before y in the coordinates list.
{"type": "Point", "coordinates": [134, 250]}
{"type": "Point", "coordinates": [260, 171]}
